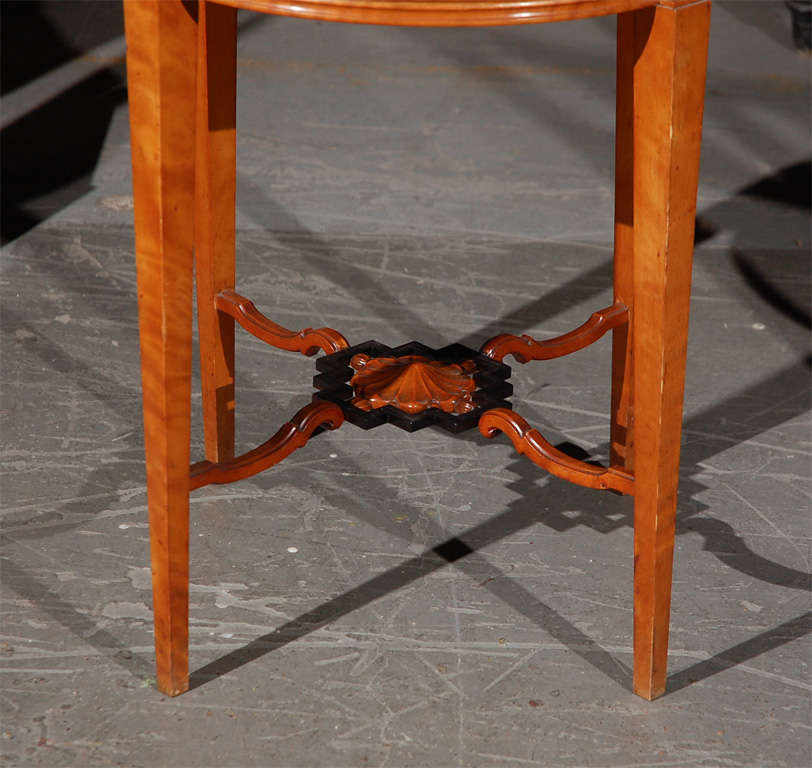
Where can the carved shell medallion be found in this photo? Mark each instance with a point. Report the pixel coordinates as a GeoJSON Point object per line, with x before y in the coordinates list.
{"type": "Point", "coordinates": [412, 383]}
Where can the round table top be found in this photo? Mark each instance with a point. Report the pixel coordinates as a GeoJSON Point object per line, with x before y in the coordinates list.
{"type": "Point", "coordinates": [449, 13]}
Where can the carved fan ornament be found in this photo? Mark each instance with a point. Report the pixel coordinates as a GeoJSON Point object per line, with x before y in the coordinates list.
{"type": "Point", "coordinates": [412, 386]}
{"type": "Point", "coordinates": [412, 383]}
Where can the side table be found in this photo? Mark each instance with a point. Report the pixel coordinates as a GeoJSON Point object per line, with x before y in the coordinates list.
{"type": "Point", "coordinates": [181, 65]}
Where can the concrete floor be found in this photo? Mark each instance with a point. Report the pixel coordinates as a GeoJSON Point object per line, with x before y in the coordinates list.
{"type": "Point", "coordinates": [384, 599]}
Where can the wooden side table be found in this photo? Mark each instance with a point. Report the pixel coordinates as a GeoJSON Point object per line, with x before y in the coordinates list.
{"type": "Point", "coordinates": [181, 62]}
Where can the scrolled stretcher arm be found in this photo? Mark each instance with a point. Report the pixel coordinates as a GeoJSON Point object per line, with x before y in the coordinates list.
{"type": "Point", "coordinates": [531, 443]}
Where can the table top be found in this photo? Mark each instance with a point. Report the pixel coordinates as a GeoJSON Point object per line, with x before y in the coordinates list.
{"type": "Point", "coordinates": [461, 13]}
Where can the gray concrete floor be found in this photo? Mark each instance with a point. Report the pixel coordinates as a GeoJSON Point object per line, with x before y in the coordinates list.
{"type": "Point", "coordinates": [387, 599]}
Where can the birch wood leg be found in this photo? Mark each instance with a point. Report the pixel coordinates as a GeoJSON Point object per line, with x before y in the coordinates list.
{"type": "Point", "coordinates": [215, 218]}
{"type": "Point", "coordinates": [669, 86]}
{"type": "Point", "coordinates": [161, 80]}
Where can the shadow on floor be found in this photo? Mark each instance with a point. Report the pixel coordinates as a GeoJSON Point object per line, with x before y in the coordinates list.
{"type": "Point", "coordinates": [462, 550]}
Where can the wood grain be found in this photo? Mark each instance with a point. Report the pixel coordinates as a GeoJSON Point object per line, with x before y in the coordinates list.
{"type": "Point", "coordinates": [662, 49]}
{"type": "Point", "coordinates": [669, 87]}
{"type": "Point", "coordinates": [530, 442]}
{"type": "Point", "coordinates": [161, 41]}
{"type": "Point", "coordinates": [307, 341]}
{"type": "Point", "coordinates": [443, 13]}
{"type": "Point", "coordinates": [290, 436]}
{"type": "Point", "coordinates": [525, 348]}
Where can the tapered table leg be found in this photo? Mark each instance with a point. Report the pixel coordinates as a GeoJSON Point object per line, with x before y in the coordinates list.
{"type": "Point", "coordinates": [215, 219]}
{"type": "Point", "coordinates": [670, 42]}
{"type": "Point", "coordinates": [161, 80]}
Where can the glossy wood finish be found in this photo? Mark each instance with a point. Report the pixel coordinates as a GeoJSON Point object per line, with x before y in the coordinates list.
{"type": "Point", "coordinates": [661, 68]}
{"type": "Point", "coordinates": [668, 81]}
{"type": "Point", "coordinates": [525, 348]}
{"type": "Point", "coordinates": [290, 436]}
{"type": "Point", "coordinates": [215, 198]}
{"type": "Point", "coordinates": [161, 84]}
{"type": "Point", "coordinates": [530, 442]}
{"type": "Point", "coordinates": [412, 383]}
{"type": "Point", "coordinates": [442, 13]}
{"type": "Point", "coordinates": [413, 386]}
{"type": "Point", "coordinates": [307, 341]}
